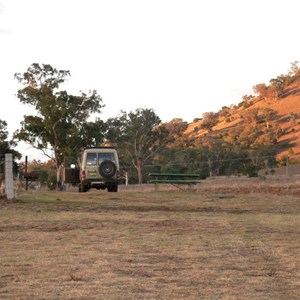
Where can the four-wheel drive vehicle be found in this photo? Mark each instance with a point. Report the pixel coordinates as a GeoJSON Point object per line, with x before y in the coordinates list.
{"type": "Point", "coordinates": [98, 168]}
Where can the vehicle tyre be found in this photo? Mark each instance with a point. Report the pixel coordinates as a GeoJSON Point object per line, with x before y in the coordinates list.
{"type": "Point", "coordinates": [112, 188]}
{"type": "Point", "coordinates": [84, 188]}
{"type": "Point", "coordinates": [107, 169]}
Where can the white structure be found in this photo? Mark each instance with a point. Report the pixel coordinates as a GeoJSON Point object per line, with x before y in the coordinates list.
{"type": "Point", "coordinates": [9, 177]}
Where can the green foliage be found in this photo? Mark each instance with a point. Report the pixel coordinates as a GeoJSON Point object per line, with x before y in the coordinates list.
{"type": "Point", "coordinates": [250, 170]}
{"type": "Point", "coordinates": [247, 101]}
{"type": "Point", "coordinates": [61, 120]}
{"type": "Point", "coordinates": [295, 69]}
{"type": "Point", "coordinates": [6, 146]}
{"type": "Point", "coordinates": [250, 116]}
{"type": "Point", "coordinates": [144, 143]}
{"type": "Point", "coordinates": [42, 175]}
{"type": "Point", "coordinates": [277, 86]}
{"type": "Point", "coordinates": [181, 160]}
{"type": "Point", "coordinates": [248, 97]}
{"type": "Point", "coordinates": [214, 156]}
{"type": "Point", "coordinates": [268, 114]}
{"type": "Point", "coordinates": [51, 182]}
{"type": "Point", "coordinates": [210, 119]}
{"type": "Point", "coordinates": [176, 127]}
{"type": "Point", "coordinates": [197, 120]}
{"type": "Point", "coordinates": [224, 114]}
{"type": "Point", "coordinates": [282, 161]}
{"type": "Point", "coordinates": [261, 90]}
{"type": "Point", "coordinates": [138, 136]}
{"type": "Point", "coordinates": [276, 89]}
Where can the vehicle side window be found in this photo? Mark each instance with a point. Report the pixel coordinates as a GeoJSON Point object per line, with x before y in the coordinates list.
{"type": "Point", "coordinates": [106, 156]}
{"type": "Point", "coordinates": [91, 159]}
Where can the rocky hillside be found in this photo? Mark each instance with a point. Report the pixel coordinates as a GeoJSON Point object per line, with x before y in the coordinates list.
{"type": "Point", "coordinates": [279, 114]}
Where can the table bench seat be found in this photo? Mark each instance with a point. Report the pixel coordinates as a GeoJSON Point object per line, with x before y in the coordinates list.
{"type": "Point", "coordinates": [174, 179]}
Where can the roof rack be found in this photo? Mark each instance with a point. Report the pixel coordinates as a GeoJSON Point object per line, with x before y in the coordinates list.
{"type": "Point", "coordinates": [100, 147]}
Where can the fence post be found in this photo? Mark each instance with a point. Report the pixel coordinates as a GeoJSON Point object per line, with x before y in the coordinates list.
{"type": "Point", "coordinates": [9, 177]}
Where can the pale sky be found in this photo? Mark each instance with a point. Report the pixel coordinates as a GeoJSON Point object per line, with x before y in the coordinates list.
{"type": "Point", "coordinates": [179, 57]}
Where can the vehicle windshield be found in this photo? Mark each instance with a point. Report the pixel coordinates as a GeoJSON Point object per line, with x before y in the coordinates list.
{"type": "Point", "coordinates": [91, 159]}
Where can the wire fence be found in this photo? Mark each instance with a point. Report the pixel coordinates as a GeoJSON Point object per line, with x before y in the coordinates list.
{"type": "Point", "coordinates": [203, 162]}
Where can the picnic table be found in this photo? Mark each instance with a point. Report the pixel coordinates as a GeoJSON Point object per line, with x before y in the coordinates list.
{"type": "Point", "coordinates": [174, 179]}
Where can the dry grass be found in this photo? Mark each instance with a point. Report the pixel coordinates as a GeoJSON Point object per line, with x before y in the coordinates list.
{"type": "Point", "coordinates": [150, 245]}
{"type": "Point", "coordinates": [271, 184]}
{"type": "Point", "coordinates": [284, 108]}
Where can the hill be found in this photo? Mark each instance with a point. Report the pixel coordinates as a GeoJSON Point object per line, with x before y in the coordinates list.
{"type": "Point", "coordinates": [279, 114]}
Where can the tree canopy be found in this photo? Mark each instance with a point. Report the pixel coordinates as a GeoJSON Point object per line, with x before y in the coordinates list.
{"type": "Point", "coordinates": [60, 124]}
{"type": "Point", "coordinates": [138, 135]}
{"type": "Point", "coordinates": [7, 146]}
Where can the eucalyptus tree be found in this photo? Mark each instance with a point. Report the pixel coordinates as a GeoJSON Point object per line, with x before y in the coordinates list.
{"type": "Point", "coordinates": [61, 119]}
{"type": "Point", "coordinates": [269, 114]}
{"type": "Point", "coordinates": [177, 136]}
{"type": "Point", "coordinates": [138, 135]}
{"type": "Point", "coordinates": [210, 119]}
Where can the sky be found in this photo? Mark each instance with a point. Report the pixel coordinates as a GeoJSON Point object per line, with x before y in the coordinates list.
{"type": "Point", "coordinates": [181, 58]}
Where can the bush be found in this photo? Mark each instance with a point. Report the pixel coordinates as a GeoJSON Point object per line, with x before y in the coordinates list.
{"type": "Point", "coordinates": [283, 160]}
{"type": "Point", "coordinates": [250, 170]}
{"type": "Point", "coordinates": [51, 182]}
{"type": "Point", "coordinates": [197, 120]}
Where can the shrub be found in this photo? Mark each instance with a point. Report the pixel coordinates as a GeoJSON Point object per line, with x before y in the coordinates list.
{"type": "Point", "coordinates": [51, 182]}
{"type": "Point", "coordinates": [283, 160]}
{"type": "Point", "coordinates": [250, 170]}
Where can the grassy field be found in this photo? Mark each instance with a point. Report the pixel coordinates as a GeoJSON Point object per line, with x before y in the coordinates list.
{"type": "Point", "coordinates": [150, 245]}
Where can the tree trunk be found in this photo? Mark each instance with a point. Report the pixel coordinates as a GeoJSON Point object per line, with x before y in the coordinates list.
{"type": "Point", "coordinates": [210, 167]}
{"type": "Point", "coordinates": [59, 177]}
{"type": "Point", "coordinates": [139, 167]}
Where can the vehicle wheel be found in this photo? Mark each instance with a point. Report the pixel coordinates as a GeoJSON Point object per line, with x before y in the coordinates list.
{"type": "Point", "coordinates": [84, 188]}
{"type": "Point", "coordinates": [107, 169]}
{"type": "Point", "coordinates": [112, 188]}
